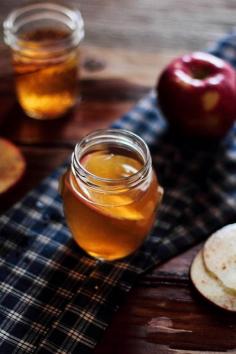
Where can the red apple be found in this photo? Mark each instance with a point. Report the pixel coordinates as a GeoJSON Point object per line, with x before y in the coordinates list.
{"type": "Point", "coordinates": [197, 94]}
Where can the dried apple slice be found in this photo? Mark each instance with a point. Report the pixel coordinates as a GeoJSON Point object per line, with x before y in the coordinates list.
{"type": "Point", "coordinates": [219, 255]}
{"type": "Point", "coordinates": [12, 165]}
{"type": "Point", "coordinates": [209, 286]}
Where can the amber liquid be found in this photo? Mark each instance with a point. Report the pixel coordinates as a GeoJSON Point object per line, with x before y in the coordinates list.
{"type": "Point", "coordinates": [109, 226]}
{"type": "Point", "coordinates": [46, 88]}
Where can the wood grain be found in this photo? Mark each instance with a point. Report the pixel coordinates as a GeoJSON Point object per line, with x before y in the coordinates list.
{"type": "Point", "coordinates": [150, 25]}
{"type": "Point", "coordinates": [127, 44]}
{"type": "Point", "coordinates": [192, 325]}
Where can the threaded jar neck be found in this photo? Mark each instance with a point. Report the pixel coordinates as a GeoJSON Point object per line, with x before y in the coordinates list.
{"type": "Point", "coordinates": [43, 16]}
{"type": "Point", "coordinates": [112, 139]}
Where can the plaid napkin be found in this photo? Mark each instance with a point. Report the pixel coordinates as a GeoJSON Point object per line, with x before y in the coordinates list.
{"type": "Point", "coordinates": [54, 298]}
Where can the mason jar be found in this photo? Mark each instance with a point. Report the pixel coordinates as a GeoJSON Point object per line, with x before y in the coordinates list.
{"type": "Point", "coordinates": [110, 193]}
{"type": "Point", "coordinates": [44, 39]}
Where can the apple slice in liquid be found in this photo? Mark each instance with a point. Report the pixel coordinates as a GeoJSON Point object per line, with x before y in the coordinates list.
{"type": "Point", "coordinates": [119, 211]}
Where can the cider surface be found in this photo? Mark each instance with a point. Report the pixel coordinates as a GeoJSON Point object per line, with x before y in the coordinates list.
{"type": "Point", "coordinates": [106, 164]}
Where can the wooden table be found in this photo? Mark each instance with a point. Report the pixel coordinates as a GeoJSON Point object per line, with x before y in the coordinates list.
{"type": "Point", "coordinates": [127, 43]}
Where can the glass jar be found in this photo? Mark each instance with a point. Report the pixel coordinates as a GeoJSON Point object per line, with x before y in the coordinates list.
{"type": "Point", "coordinates": [110, 193]}
{"type": "Point", "coordinates": [44, 39]}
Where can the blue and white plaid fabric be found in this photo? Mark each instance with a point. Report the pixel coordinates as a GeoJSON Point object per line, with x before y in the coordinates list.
{"type": "Point", "coordinates": [54, 298]}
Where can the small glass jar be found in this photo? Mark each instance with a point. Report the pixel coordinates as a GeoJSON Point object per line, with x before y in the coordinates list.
{"type": "Point", "coordinates": [110, 193]}
{"type": "Point", "coordinates": [44, 39]}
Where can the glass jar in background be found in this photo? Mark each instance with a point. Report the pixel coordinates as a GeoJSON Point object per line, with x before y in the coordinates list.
{"type": "Point", "coordinates": [110, 193]}
{"type": "Point", "coordinates": [44, 39]}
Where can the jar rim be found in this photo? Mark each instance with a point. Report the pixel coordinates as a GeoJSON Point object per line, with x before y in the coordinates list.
{"type": "Point", "coordinates": [72, 18]}
{"type": "Point", "coordinates": [122, 136]}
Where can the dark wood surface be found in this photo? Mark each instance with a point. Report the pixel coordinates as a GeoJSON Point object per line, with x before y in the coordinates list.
{"type": "Point", "coordinates": [127, 44]}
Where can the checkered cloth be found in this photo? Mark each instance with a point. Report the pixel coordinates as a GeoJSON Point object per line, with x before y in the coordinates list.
{"type": "Point", "coordinates": [54, 298]}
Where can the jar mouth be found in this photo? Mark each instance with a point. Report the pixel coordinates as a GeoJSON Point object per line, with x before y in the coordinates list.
{"type": "Point", "coordinates": [118, 138]}
{"type": "Point", "coordinates": [43, 15]}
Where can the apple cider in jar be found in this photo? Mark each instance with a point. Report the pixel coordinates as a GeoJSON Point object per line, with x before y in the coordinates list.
{"type": "Point", "coordinates": [44, 39]}
{"type": "Point", "coordinates": [110, 193]}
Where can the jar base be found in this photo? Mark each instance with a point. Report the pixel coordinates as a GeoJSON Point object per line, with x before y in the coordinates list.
{"type": "Point", "coordinates": [106, 257]}
{"type": "Point", "coordinates": [42, 117]}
